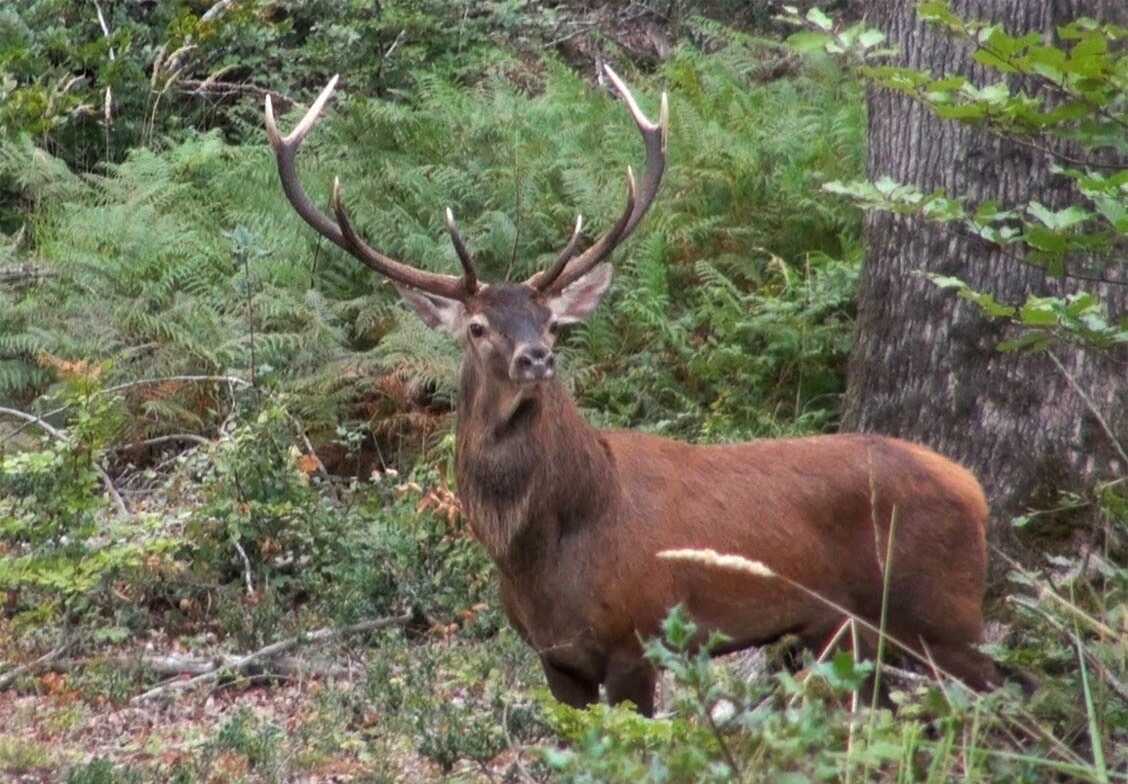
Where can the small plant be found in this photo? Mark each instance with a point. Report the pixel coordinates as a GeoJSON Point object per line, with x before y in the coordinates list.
{"type": "Point", "coordinates": [63, 544]}
{"type": "Point", "coordinates": [103, 771]}
{"type": "Point", "coordinates": [246, 734]}
{"type": "Point", "coordinates": [456, 706]}
{"type": "Point", "coordinates": [18, 756]}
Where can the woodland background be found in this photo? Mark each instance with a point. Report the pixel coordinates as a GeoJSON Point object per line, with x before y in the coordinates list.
{"type": "Point", "coordinates": [221, 438]}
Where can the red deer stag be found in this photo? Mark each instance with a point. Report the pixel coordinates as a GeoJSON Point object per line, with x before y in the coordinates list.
{"type": "Point", "coordinates": [574, 517]}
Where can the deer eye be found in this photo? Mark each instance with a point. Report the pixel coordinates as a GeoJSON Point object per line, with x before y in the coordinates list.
{"type": "Point", "coordinates": [476, 329]}
{"type": "Point", "coordinates": [554, 326]}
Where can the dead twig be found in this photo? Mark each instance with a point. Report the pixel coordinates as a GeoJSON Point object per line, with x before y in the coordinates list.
{"type": "Point", "coordinates": [246, 567]}
{"type": "Point", "coordinates": [176, 664]}
{"type": "Point", "coordinates": [107, 111]}
{"type": "Point", "coordinates": [8, 678]}
{"type": "Point", "coordinates": [229, 380]}
{"type": "Point", "coordinates": [171, 438]}
{"type": "Point", "coordinates": [212, 86]}
{"type": "Point", "coordinates": [239, 663]}
{"type": "Point", "coordinates": [24, 273]}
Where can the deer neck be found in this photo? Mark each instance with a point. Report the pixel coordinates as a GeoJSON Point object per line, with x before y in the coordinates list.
{"type": "Point", "coordinates": [530, 468]}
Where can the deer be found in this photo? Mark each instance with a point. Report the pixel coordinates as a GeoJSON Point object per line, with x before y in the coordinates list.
{"type": "Point", "coordinates": [574, 517]}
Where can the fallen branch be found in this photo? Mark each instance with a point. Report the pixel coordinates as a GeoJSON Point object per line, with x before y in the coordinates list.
{"type": "Point", "coordinates": [221, 88]}
{"type": "Point", "coordinates": [237, 664]}
{"type": "Point", "coordinates": [8, 678]}
{"type": "Point", "coordinates": [177, 664]}
{"type": "Point", "coordinates": [55, 433]}
{"type": "Point", "coordinates": [107, 111]}
{"type": "Point", "coordinates": [27, 272]}
{"type": "Point", "coordinates": [229, 380]}
{"type": "Point", "coordinates": [246, 567]}
{"type": "Point", "coordinates": [173, 437]}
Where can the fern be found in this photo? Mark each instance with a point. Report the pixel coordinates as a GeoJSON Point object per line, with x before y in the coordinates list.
{"type": "Point", "coordinates": [698, 323]}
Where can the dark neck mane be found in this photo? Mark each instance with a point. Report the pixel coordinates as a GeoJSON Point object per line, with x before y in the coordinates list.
{"type": "Point", "coordinates": [530, 469]}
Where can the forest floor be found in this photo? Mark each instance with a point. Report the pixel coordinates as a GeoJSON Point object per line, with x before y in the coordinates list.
{"type": "Point", "coordinates": [291, 729]}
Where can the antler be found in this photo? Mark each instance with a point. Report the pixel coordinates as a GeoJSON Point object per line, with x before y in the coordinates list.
{"type": "Point", "coordinates": [341, 232]}
{"type": "Point", "coordinates": [469, 276]}
{"type": "Point", "coordinates": [567, 270]}
{"type": "Point", "coordinates": [562, 260]}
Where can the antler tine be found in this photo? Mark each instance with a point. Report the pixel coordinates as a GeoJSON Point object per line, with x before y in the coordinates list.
{"type": "Point", "coordinates": [341, 233]}
{"type": "Point", "coordinates": [582, 264]}
{"type": "Point", "coordinates": [470, 275]}
{"type": "Point", "coordinates": [543, 280]}
{"type": "Point", "coordinates": [654, 136]}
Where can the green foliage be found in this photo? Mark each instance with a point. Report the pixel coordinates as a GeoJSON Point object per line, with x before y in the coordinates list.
{"type": "Point", "coordinates": [18, 755]}
{"type": "Point", "coordinates": [1082, 78]}
{"type": "Point", "coordinates": [859, 43]}
{"type": "Point", "coordinates": [60, 547]}
{"type": "Point", "coordinates": [724, 729]}
{"type": "Point", "coordinates": [102, 771]}
{"type": "Point", "coordinates": [90, 92]}
{"type": "Point", "coordinates": [373, 557]}
{"type": "Point", "coordinates": [244, 734]}
{"type": "Point", "coordinates": [1046, 319]}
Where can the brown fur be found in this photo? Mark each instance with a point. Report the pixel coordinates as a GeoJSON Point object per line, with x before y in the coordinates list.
{"type": "Point", "coordinates": [574, 518]}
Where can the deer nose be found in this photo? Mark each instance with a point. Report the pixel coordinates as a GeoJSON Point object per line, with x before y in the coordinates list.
{"type": "Point", "coordinates": [532, 362]}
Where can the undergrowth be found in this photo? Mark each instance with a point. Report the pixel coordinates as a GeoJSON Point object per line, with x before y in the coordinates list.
{"type": "Point", "coordinates": [188, 261]}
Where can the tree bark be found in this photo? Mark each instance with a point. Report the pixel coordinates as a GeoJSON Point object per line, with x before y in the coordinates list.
{"type": "Point", "coordinates": [925, 366]}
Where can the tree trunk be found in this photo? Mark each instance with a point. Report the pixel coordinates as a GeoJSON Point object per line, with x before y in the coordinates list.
{"type": "Point", "coordinates": [925, 366]}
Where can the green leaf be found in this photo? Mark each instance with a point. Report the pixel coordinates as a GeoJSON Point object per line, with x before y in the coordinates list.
{"type": "Point", "coordinates": [1031, 341]}
{"type": "Point", "coordinates": [995, 93]}
{"type": "Point", "coordinates": [991, 60]}
{"type": "Point", "coordinates": [871, 37]}
{"type": "Point", "coordinates": [807, 41]}
{"type": "Point", "coordinates": [941, 13]}
{"type": "Point", "coordinates": [1044, 239]}
{"type": "Point", "coordinates": [948, 84]}
{"type": "Point", "coordinates": [816, 17]}
{"type": "Point", "coordinates": [1042, 213]}
{"type": "Point", "coordinates": [947, 281]}
{"type": "Point", "coordinates": [971, 111]}
{"type": "Point", "coordinates": [1037, 313]}
{"type": "Point", "coordinates": [1071, 216]}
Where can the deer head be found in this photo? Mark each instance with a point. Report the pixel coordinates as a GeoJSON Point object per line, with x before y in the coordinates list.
{"type": "Point", "coordinates": [507, 329]}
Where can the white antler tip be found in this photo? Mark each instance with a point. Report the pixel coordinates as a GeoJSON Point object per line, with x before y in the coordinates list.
{"type": "Point", "coordinates": [450, 219]}
{"type": "Point", "coordinates": [272, 133]}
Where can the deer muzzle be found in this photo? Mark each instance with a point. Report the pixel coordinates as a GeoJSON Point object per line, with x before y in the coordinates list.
{"type": "Point", "coordinates": [532, 362]}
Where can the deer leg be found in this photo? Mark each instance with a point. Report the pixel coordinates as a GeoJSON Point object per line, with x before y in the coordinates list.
{"type": "Point", "coordinates": [570, 688]}
{"type": "Point", "coordinates": [633, 680]}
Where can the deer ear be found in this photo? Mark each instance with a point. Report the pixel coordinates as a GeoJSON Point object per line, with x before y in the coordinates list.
{"type": "Point", "coordinates": [577, 301]}
{"type": "Point", "coordinates": [445, 315]}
